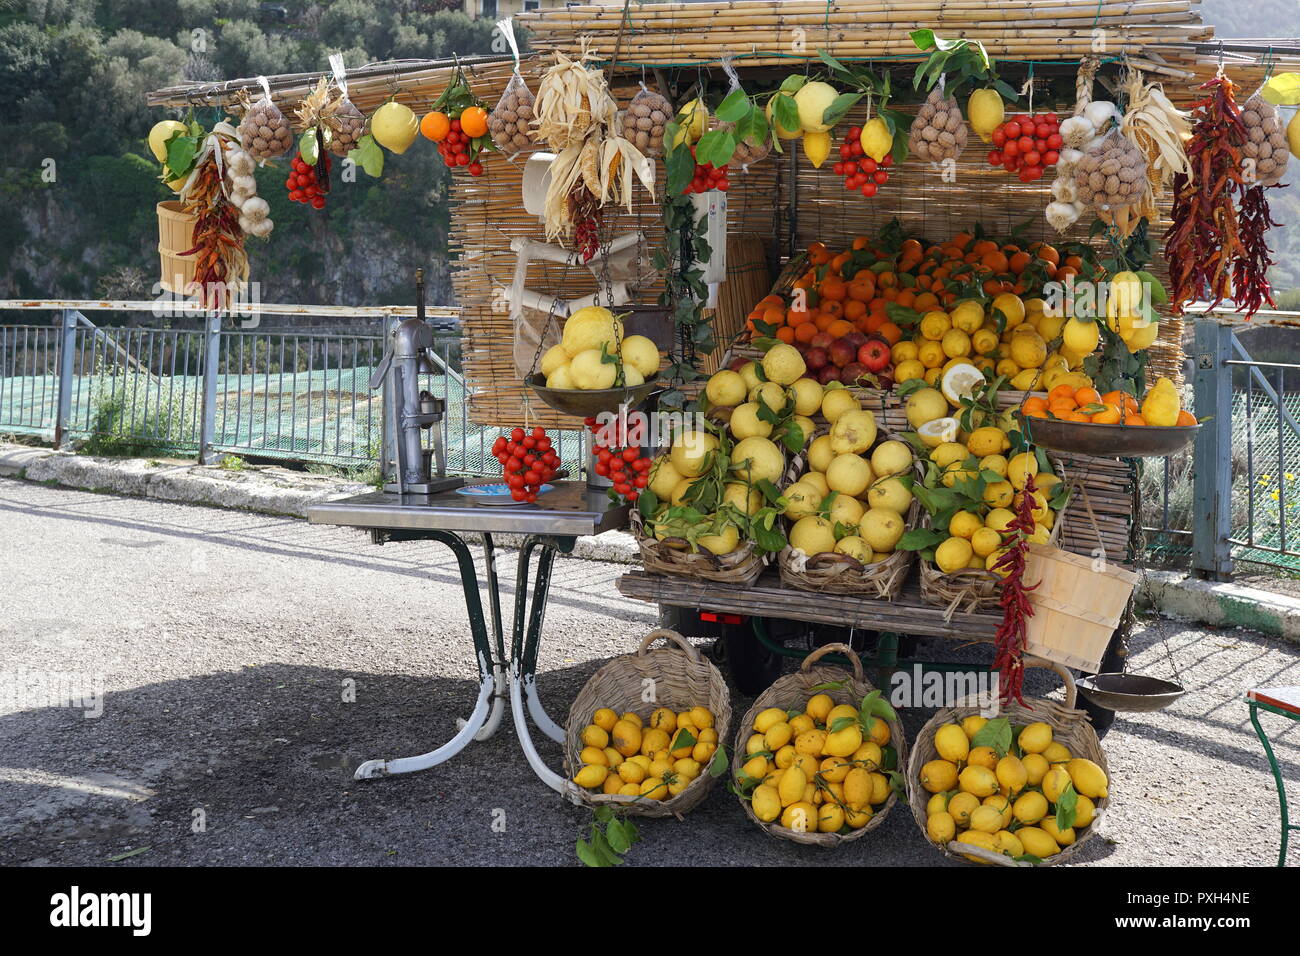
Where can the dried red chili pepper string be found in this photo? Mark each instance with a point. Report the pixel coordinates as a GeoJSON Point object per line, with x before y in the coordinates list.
{"type": "Point", "coordinates": [1203, 242]}
{"type": "Point", "coordinates": [1251, 288]}
{"type": "Point", "coordinates": [1016, 609]}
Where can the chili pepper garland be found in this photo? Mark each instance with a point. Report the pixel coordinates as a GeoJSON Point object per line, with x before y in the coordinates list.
{"type": "Point", "coordinates": [1204, 243]}
{"type": "Point", "coordinates": [1251, 288]}
{"type": "Point", "coordinates": [1016, 609]}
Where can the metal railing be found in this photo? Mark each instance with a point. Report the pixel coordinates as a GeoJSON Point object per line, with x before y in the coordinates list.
{"type": "Point", "coordinates": [1235, 498]}
{"type": "Point", "coordinates": [274, 394]}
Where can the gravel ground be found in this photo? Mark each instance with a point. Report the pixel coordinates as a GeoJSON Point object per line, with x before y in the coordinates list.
{"type": "Point", "coordinates": [225, 641]}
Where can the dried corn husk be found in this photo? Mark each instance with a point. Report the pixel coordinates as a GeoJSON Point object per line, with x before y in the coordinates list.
{"type": "Point", "coordinates": [571, 100]}
{"type": "Point", "coordinates": [620, 162]}
{"type": "Point", "coordinates": [1158, 129]}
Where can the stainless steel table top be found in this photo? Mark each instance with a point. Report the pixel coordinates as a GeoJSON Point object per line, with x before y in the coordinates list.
{"type": "Point", "coordinates": [571, 509]}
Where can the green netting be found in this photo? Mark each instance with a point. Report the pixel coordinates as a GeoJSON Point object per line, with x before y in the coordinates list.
{"type": "Point", "coordinates": [1266, 480]}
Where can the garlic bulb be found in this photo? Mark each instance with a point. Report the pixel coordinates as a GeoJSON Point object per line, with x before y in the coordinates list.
{"type": "Point", "coordinates": [1101, 113]}
{"type": "Point", "coordinates": [1061, 215]}
{"type": "Point", "coordinates": [1076, 131]}
{"type": "Point", "coordinates": [256, 208]}
{"type": "Point", "coordinates": [1064, 189]}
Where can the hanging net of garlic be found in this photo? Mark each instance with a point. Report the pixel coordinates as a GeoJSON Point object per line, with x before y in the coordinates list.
{"type": "Point", "coordinates": [510, 122]}
{"type": "Point", "coordinates": [263, 131]}
{"type": "Point", "coordinates": [644, 121]}
{"type": "Point", "coordinates": [1266, 143]}
{"type": "Point", "coordinates": [939, 131]}
{"type": "Point", "coordinates": [1159, 129]}
{"type": "Point", "coordinates": [1078, 132]}
{"type": "Point", "coordinates": [594, 163]}
{"type": "Point", "coordinates": [241, 190]}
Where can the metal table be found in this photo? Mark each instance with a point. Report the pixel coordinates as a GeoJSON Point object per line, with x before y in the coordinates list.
{"type": "Point", "coordinates": [1285, 702]}
{"type": "Point", "coordinates": [551, 525]}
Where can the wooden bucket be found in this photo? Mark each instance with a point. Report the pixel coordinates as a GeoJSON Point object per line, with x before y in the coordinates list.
{"type": "Point", "coordinates": [175, 235]}
{"type": "Point", "coordinates": [1076, 606]}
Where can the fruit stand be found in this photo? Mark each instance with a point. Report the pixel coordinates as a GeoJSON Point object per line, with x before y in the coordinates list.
{"type": "Point", "coordinates": [907, 284]}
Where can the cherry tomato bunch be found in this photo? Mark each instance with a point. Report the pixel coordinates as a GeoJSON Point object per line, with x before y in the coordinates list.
{"type": "Point", "coordinates": [861, 173]}
{"type": "Point", "coordinates": [303, 185]}
{"type": "Point", "coordinates": [627, 465]}
{"type": "Point", "coordinates": [707, 177]}
{"type": "Point", "coordinates": [527, 461]}
{"type": "Point", "coordinates": [1027, 145]}
{"type": "Point", "coordinates": [455, 150]}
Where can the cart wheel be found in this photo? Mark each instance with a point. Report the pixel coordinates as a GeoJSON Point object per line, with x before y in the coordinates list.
{"type": "Point", "coordinates": [1112, 662]}
{"type": "Point", "coordinates": [752, 665]}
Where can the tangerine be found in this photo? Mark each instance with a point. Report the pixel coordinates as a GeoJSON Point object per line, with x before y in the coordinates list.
{"type": "Point", "coordinates": [473, 121]}
{"type": "Point", "coordinates": [435, 126]}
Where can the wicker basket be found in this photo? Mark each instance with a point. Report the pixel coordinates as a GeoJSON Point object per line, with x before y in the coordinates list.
{"type": "Point", "coordinates": [175, 235]}
{"type": "Point", "coordinates": [674, 556]}
{"type": "Point", "coordinates": [971, 589]}
{"type": "Point", "coordinates": [842, 574]}
{"type": "Point", "coordinates": [682, 679]}
{"type": "Point", "coordinates": [793, 690]}
{"type": "Point", "coordinates": [1069, 726]}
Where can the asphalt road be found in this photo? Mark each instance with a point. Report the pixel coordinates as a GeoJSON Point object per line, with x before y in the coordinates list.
{"type": "Point", "coordinates": [225, 642]}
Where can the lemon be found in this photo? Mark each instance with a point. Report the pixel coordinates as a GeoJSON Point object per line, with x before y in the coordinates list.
{"type": "Point", "coordinates": [1057, 752]}
{"type": "Point", "coordinates": [964, 524]}
{"type": "Point", "coordinates": [891, 493]}
{"type": "Point", "coordinates": [1012, 308]}
{"type": "Point", "coordinates": [813, 99]}
{"type": "Point", "coordinates": [800, 817]}
{"type": "Point", "coordinates": [983, 341]}
{"type": "Point", "coordinates": [849, 474]}
{"type": "Point", "coordinates": [1293, 135]}
{"type": "Point", "coordinates": [935, 325]}
{"type": "Point", "coordinates": [755, 768]}
{"type": "Point", "coordinates": [843, 742]}
{"type": "Point", "coordinates": [979, 781]}
{"type": "Point", "coordinates": [783, 364]}
{"type": "Point", "coordinates": [1089, 779]}
{"type": "Point", "coordinates": [725, 388]}
{"type": "Point", "coordinates": [830, 818]}
{"type": "Point", "coordinates": [1162, 404]}
{"type": "Point", "coordinates": [819, 706]}
{"type": "Point", "coordinates": [745, 423]}
{"type": "Point", "coordinates": [767, 719]}
{"type": "Point", "coordinates": [1035, 737]}
{"type": "Point", "coordinates": [986, 819]}
{"type": "Point", "coordinates": [891, 458]}
{"type": "Point", "coordinates": [999, 494]}
{"type": "Point", "coordinates": [939, 775]}
{"type": "Point", "coordinates": [1028, 349]}
{"type": "Point", "coordinates": [835, 769]}
{"type": "Point", "coordinates": [724, 542]}
{"type": "Point", "coordinates": [1007, 842]}
{"type": "Point", "coordinates": [1054, 783]}
{"type": "Point", "coordinates": [998, 519]}
{"type": "Point", "coordinates": [591, 776]}
{"type": "Point", "coordinates": [1011, 774]}
{"type": "Point", "coordinates": [802, 500]}
{"type": "Point", "coordinates": [976, 838]}
{"type": "Point", "coordinates": [953, 554]}
{"type": "Point", "coordinates": [938, 432]}
{"type": "Point", "coordinates": [949, 453]}
{"type": "Point", "coordinates": [951, 743]}
{"type": "Point", "coordinates": [931, 356]}
{"type": "Point", "coordinates": [961, 806]}
{"type": "Point", "coordinates": [857, 786]}
{"type": "Point", "coordinates": [812, 535]}
{"type": "Point", "coordinates": [1020, 467]}
{"type": "Point", "coordinates": [876, 139]}
{"type": "Point", "coordinates": [1080, 337]}
{"type": "Point", "coordinates": [987, 440]}
{"type": "Point", "coordinates": [1002, 805]}
{"type": "Point", "coordinates": [941, 828]}
{"type": "Point", "coordinates": [777, 736]}
{"type": "Point", "coordinates": [1030, 807]}
{"type": "Point", "coordinates": [630, 772]}
{"type": "Point", "coordinates": [854, 432]}
{"type": "Point", "coordinates": [960, 381]}
{"type": "Point", "coordinates": [855, 547]}
{"type": "Point", "coordinates": [780, 130]}
{"type": "Point", "coordinates": [925, 405]}
{"type": "Point", "coordinates": [985, 541]}
{"type": "Point", "coordinates": [858, 817]}
{"type": "Point", "coordinates": [956, 344]}
{"type": "Point", "coordinates": [881, 528]}
{"type": "Point", "coordinates": [755, 459]}
{"type": "Point", "coordinates": [938, 803]}
{"type": "Point", "coordinates": [1084, 811]}
{"type": "Point", "coordinates": [654, 788]}
{"type": "Point", "coordinates": [691, 451]}
{"type": "Point", "coordinates": [394, 126]}
{"type": "Point", "coordinates": [836, 402]}
{"type": "Point", "coordinates": [1037, 842]}
{"type": "Point", "coordinates": [1036, 767]}
{"type": "Point", "coordinates": [791, 787]}
{"type": "Point", "coordinates": [1062, 837]}
{"type": "Point", "coordinates": [816, 146]}
{"type": "Point", "coordinates": [986, 112]}
{"type": "Point", "coordinates": [766, 803]}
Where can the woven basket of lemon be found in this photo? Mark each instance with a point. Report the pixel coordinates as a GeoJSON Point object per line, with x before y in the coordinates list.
{"type": "Point", "coordinates": [817, 755]}
{"type": "Point", "coordinates": [849, 502]}
{"type": "Point", "coordinates": [975, 464]}
{"type": "Point", "coordinates": [651, 759]}
{"type": "Point", "coordinates": [709, 509]}
{"type": "Point", "coordinates": [1027, 788]}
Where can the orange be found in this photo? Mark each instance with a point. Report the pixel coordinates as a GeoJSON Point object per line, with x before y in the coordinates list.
{"type": "Point", "coordinates": [1075, 417]}
{"type": "Point", "coordinates": [805, 332]}
{"type": "Point", "coordinates": [890, 332]}
{"type": "Point", "coordinates": [861, 243]}
{"type": "Point", "coordinates": [926, 301]}
{"type": "Point", "coordinates": [995, 260]}
{"type": "Point", "coordinates": [1034, 405]}
{"type": "Point", "coordinates": [912, 248]}
{"type": "Point", "coordinates": [862, 289]}
{"type": "Point", "coordinates": [798, 318]}
{"type": "Point", "coordinates": [1109, 415]}
{"type": "Point", "coordinates": [1086, 396]}
{"type": "Point", "coordinates": [1186, 418]}
{"type": "Point", "coordinates": [822, 321]}
{"type": "Point", "coordinates": [1061, 409]}
{"type": "Point", "coordinates": [839, 327]}
{"type": "Point", "coordinates": [773, 315]}
{"type": "Point", "coordinates": [833, 288]}
{"type": "Point", "coordinates": [818, 254]}
{"type": "Point", "coordinates": [906, 298]}
{"type": "Point", "coordinates": [1047, 254]}
{"type": "Point", "coordinates": [785, 334]}
{"type": "Point", "coordinates": [833, 308]}
{"type": "Point", "coordinates": [473, 121]}
{"type": "Point", "coordinates": [838, 262]}
{"type": "Point", "coordinates": [854, 309]}
{"type": "Point", "coordinates": [435, 126]}
{"type": "Point", "coordinates": [1134, 419]}
{"type": "Point", "coordinates": [1063, 393]}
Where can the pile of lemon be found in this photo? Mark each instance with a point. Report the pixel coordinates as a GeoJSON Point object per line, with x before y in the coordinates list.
{"type": "Point", "coordinates": [655, 758]}
{"type": "Point", "coordinates": [974, 536]}
{"type": "Point", "coordinates": [815, 770]}
{"type": "Point", "coordinates": [1011, 337]}
{"type": "Point", "coordinates": [1032, 801]}
{"type": "Point", "coordinates": [854, 496]}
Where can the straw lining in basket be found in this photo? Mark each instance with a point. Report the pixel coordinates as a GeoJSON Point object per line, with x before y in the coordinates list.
{"type": "Point", "coordinates": [683, 678]}
{"type": "Point", "coordinates": [742, 566]}
{"type": "Point", "coordinates": [1069, 726]}
{"type": "Point", "coordinates": [794, 690]}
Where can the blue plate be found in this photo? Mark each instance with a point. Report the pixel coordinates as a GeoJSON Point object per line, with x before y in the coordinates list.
{"type": "Point", "coordinates": [495, 494]}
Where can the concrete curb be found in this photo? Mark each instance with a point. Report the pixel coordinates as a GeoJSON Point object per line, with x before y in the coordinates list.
{"type": "Point", "coordinates": [1185, 598]}
{"type": "Point", "coordinates": [261, 488]}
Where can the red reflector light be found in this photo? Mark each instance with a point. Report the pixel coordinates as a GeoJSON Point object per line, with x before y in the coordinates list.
{"type": "Point", "coordinates": [713, 618]}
